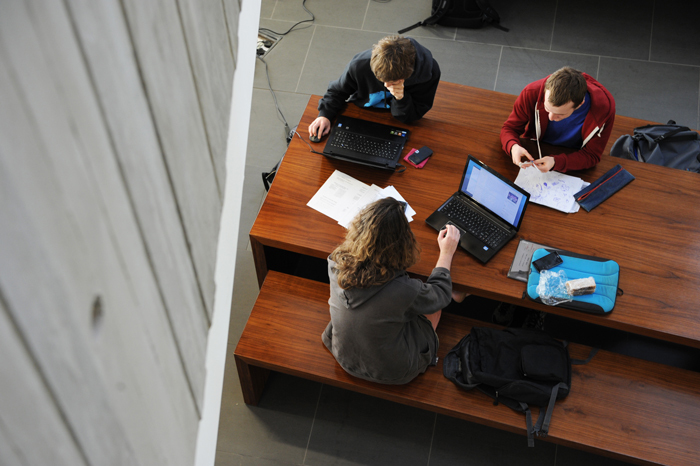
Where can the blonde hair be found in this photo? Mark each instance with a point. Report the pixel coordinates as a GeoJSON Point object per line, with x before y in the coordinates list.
{"type": "Point", "coordinates": [566, 85]}
{"type": "Point", "coordinates": [393, 58]}
{"type": "Point", "coordinates": [378, 244]}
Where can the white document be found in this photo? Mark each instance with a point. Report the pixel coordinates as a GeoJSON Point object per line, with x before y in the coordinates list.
{"type": "Point", "coordinates": [374, 193]}
{"type": "Point", "coordinates": [342, 197]}
{"type": "Point", "coordinates": [551, 189]}
{"type": "Point", "coordinates": [339, 193]}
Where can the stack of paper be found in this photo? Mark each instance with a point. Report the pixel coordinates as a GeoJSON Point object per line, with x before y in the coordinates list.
{"type": "Point", "coordinates": [342, 197]}
{"type": "Point", "coordinates": [551, 189]}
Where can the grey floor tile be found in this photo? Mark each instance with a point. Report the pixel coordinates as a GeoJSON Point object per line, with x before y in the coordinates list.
{"type": "Point", "coordinates": [331, 50]}
{"type": "Point", "coordinates": [253, 196]}
{"type": "Point", "coordinates": [391, 17]}
{"type": "Point", "coordinates": [616, 29]}
{"type": "Point", "coordinates": [267, 141]}
{"type": "Point", "coordinates": [676, 37]}
{"type": "Point", "coordinates": [519, 67]}
{"type": "Point", "coordinates": [571, 457]}
{"type": "Point", "coordinates": [340, 13]}
{"type": "Point", "coordinates": [275, 430]}
{"type": "Point", "coordinates": [639, 92]}
{"type": "Point", "coordinates": [232, 395]}
{"type": "Point", "coordinates": [227, 459]}
{"type": "Point", "coordinates": [465, 62]}
{"type": "Point", "coordinates": [286, 59]}
{"type": "Point", "coordinates": [458, 442]}
{"type": "Point", "coordinates": [245, 292]}
{"type": "Point", "coordinates": [355, 429]}
{"type": "Point", "coordinates": [530, 25]}
{"type": "Point", "coordinates": [266, 8]}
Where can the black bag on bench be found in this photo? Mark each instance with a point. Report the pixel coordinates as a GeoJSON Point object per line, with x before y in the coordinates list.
{"type": "Point", "coordinates": [518, 367]}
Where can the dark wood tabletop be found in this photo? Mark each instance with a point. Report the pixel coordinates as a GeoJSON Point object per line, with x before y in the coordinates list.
{"type": "Point", "coordinates": [651, 227]}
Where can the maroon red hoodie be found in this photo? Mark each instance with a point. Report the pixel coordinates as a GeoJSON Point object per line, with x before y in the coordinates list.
{"type": "Point", "coordinates": [528, 112]}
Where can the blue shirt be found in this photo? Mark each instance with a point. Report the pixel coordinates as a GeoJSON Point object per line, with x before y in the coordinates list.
{"type": "Point", "coordinates": [567, 132]}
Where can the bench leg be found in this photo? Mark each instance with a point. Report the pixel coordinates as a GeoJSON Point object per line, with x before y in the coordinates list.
{"type": "Point", "coordinates": [252, 380]}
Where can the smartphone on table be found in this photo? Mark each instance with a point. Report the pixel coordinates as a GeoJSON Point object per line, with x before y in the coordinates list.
{"type": "Point", "coordinates": [419, 157]}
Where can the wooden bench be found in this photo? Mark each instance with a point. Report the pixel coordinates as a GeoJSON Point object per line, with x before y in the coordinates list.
{"type": "Point", "coordinates": [619, 406]}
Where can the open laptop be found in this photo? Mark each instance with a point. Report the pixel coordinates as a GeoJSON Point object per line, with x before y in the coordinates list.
{"type": "Point", "coordinates": [488, 210]}
{"type": "Point", "coordinates": [366, 142]}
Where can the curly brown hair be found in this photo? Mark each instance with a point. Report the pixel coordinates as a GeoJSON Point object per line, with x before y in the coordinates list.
{"type": "Point", "coordinates": [393, 58]}
{"type": "Point", "coordinates": [378, 244]}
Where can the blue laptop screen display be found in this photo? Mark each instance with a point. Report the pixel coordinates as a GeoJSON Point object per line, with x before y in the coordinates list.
{"type": "Point", "coordinates": [493, 193]}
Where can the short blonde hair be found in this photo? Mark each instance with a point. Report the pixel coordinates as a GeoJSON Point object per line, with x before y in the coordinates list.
{"type": "Point", "coordinates": [566, 85]}
{"type": "Point", "coordinates": [393, 58]}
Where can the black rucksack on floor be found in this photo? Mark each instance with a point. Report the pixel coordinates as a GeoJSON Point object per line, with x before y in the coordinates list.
{"type": "Point", "coordinates": [670, 145]}
{"type": "Point", "coordinates": [518, 367]}
{"type": "Point", "coordinates": [472, 14]}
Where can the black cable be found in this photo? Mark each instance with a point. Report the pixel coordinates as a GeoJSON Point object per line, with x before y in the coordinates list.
{"type": "Point", "coordinates": [303, 5]}
{"type": "Point", "coordinates": [274, 96]}
{"type": "Point", "coordinates": [310, 148]}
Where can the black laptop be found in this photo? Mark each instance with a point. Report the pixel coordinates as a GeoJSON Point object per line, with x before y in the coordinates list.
{"type": "Point", "coordinates": [366, 142]}
{"type": "Point", "coordinates": [488, 210]}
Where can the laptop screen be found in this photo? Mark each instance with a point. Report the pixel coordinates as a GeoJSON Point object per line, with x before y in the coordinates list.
{"type": "Point", "coordinates": [493, 192]}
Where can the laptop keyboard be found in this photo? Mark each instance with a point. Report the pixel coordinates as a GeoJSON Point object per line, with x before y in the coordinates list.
{"type": "Point", "coordinates": [366, 145]}
{"type": "Point", "coordinates": [474, 222]}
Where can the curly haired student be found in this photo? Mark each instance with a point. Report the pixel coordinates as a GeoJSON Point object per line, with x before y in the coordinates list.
{"type": "Point", "coordinates": [383, 322]}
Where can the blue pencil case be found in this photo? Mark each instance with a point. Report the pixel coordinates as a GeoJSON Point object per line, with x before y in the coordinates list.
{"type": "Point", "coordinates": [605, 272]}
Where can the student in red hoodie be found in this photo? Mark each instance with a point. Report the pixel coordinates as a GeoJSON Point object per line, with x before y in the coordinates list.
{"type": "Point", "coordinates": [568, 108]}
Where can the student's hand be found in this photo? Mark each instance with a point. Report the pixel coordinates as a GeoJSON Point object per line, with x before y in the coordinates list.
{"type": "Point", "coordinates": [448, 240]}
{"type": "Point", "coordinates": [396, 88]}
{"type": "Point", "coordinates": [544, 164]}
{"type": "Point", "coordinates": [517, 152]}
{"type": "Point", "coordinates": [320, 126]}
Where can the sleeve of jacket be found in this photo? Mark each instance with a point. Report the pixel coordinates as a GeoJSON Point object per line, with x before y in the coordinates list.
{"type": "Point", "coordinates": [434, 294]}
{"type": "Point", "coordinates": [418, 99]}
{"type": "Point", "coordinates": [522, 114]}
{"type": "Point", "coordinates": [334, 100]}
{"type": "Point", "coordinates": [589, 155]}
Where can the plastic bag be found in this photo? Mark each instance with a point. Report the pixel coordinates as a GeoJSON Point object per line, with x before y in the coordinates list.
{"type": "Point", "coordinates": [552, 288]}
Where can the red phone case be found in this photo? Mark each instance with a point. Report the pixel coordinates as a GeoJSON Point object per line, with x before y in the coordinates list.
{"type": "Point", "coordinates": [420, 165]}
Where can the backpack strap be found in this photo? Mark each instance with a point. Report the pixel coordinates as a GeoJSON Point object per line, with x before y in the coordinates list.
{"type": "Point", "coordinates": [528, 420]}
{"type": "Point", "coordinates": [587, 360]}
{"type": "Point", "coordinates": [440, 10]}
{"type": "Point", "coordinates": [672, 133]}
{"type": "Point", "coordinates": [542, 428]}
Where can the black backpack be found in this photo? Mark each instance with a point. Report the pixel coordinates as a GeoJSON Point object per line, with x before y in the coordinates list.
{"type": "Point", "coordinates": [670, 145]}
{"type": "Point", "coordinates": [472, 14]}
{"type": "Point", "coordinates": [518, 367]}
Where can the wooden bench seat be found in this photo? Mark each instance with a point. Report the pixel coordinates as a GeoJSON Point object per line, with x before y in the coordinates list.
{"type": "Point", "coordinates": [619, 406]}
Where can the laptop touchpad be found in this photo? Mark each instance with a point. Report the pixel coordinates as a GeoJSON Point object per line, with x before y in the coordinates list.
{"type": "Point", "coordinates": [461, 230]}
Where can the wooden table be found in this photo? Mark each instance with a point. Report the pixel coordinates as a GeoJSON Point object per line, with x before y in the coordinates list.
{"type": "Point", "coordinates": [651, 227]}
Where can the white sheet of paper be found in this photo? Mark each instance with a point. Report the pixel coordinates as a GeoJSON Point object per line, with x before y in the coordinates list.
{"type": "Point", "coordinates": [551, 189]}
{"type": "Point", "coordinates": [374, 193]}
{"type": "Point", "coordinates": [390, 191]}
{"type": "Point", "coordinates": [341, 198]}
{"type": "Point", "coordinates": [337, 195]}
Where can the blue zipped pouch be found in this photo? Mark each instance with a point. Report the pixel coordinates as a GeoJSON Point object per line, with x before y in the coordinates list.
{"type": "Point", "coordinates": [594, 194]}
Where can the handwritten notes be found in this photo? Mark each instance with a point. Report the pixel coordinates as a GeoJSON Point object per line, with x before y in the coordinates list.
{"type": "Point", "coordinates": [551, 189]}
